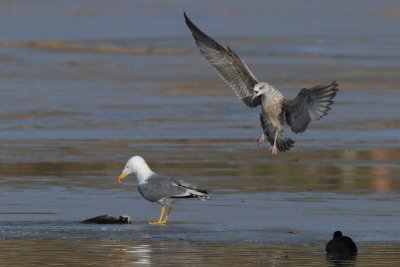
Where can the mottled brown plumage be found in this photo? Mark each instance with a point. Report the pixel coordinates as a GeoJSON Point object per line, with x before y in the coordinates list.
{"type": "Point", "coordinates": [276, 111]}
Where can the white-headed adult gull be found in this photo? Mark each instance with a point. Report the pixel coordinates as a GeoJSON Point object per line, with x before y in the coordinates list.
{"type": "Point", "coordinates": [276, 111]}
{"type": "Point", "coordinates": [159, 188]}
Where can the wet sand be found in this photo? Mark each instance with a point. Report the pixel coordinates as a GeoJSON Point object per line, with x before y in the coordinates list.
{"type": "Point", "coordinates": [77, 103]}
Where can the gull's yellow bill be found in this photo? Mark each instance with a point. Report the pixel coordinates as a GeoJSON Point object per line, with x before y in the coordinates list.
{"type": "Point", "coordinates": [121, 177]}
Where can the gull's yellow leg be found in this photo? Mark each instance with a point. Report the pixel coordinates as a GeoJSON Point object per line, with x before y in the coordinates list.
{"type": "Point", "coordinates": [160, 220]}
{"type": "Point", "coordinates": [166, 217]}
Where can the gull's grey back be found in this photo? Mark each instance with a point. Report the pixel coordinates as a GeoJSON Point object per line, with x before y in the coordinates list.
{"type": "Point", "coordinates": [158, 187]}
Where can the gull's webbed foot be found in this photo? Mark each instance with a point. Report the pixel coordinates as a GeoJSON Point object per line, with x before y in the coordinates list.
{"type": "Point", "coordinates": [157, 222]}
{"type": "Point", "coordinates": [273, 150]}
{"type": "Point", "coordinates": [261, 139]}
{"type": "Point", "coordinates": [166, 217]}
{"type": "Point", "coordinates": [160, 220]}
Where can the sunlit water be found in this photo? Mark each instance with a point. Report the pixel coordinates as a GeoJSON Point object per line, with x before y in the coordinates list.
{"type": "Point", "coordinates": [126, 253]}
{"type": "Point", "coordinates": [88, 85]}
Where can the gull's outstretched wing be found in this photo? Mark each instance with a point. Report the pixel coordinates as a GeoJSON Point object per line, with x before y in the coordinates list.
{"type": "Point", "coordinates": [310, 104]}
{"type": "Point", "coordinates": [227, 64]}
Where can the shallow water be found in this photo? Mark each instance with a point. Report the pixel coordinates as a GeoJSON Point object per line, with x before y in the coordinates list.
{"type": "Point", "coordinates": [128, 253]}
{"type": "Point", "coordinates": [85, 87]}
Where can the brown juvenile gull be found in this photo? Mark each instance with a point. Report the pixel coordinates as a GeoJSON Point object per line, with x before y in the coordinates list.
{"type": "Point", "coordinates": [276, 110]}
{"type": "Point", "coordinates": [159, 188]}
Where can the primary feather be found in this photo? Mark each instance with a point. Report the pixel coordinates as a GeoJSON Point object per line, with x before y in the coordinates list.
{"type": "Point", "coordinates": [310, 104]}
{"type": "Point", "coordinates": [227, 64]}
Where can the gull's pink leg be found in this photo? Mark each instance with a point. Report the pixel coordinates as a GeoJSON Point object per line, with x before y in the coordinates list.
{"type": "Point", "coordinates": [261, 139]}
{"type": "Point", "coordinates": [274, 149]}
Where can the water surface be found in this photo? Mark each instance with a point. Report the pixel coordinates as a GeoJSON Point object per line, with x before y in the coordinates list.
{"type": "Point", "coordinates": [89, 84]}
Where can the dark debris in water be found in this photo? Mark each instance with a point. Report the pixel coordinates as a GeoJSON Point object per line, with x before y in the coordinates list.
{"type": "Point", "coordinates": [109, 219]}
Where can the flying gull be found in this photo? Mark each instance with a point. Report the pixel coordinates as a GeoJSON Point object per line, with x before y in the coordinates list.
{"type": "Point", "coordinates": [159, 188]}
{"type": "Point", "coordinates": [276, 111]}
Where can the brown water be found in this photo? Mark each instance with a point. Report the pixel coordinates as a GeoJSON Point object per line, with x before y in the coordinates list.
{"type": "Point", "coordinates": [126, 253]}
{"type": "Point", "coordinates": [89, 84]}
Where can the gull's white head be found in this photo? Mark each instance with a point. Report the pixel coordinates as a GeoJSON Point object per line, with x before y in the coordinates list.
{"type": "Point", "coordinates": [261, 88]}
{"type": "Point", "coordinates": [138, 166]}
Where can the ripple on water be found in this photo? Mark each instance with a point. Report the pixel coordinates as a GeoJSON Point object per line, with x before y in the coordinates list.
{"type": "Point", "coordinates": [37, 252]}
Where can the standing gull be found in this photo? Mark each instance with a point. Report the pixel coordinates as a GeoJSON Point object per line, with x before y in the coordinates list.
{"type": "Point", "coordinates": [159, 188]}
{"type": "Point", "coordinates": [276, 110]}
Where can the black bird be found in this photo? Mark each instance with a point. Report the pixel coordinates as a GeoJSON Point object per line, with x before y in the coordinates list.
{"type": "Point", "coordinates": [341, 246]}
{"type": "Point", "coordinates": [276, 110]}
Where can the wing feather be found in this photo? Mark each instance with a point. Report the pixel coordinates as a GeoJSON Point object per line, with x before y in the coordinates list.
{"type": "Point", "coordinates": [310, 104]}
{"type": "Point", "coordinates": [227, 64]}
